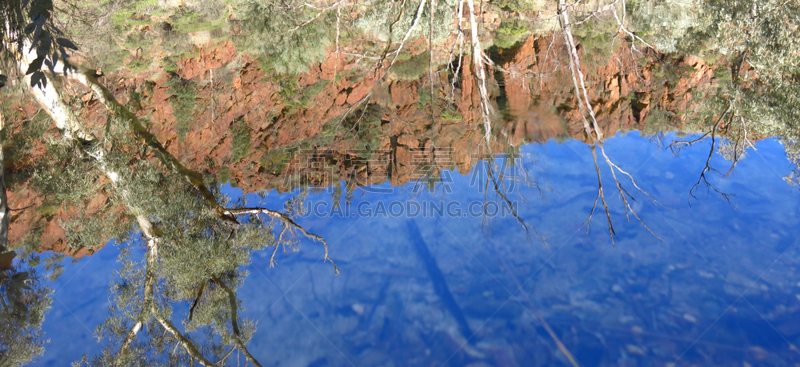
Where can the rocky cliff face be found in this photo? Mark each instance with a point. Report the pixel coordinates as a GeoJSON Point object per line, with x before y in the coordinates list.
{"type": "Point", "coordinates": [220, 114]}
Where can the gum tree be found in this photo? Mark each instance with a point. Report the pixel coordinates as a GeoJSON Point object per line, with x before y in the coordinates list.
{"type": "Point", "coordinates": [195, 241]}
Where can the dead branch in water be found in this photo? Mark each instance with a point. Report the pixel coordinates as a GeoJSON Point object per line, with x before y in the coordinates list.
{"type": "Point", "coordinates": [703, 178]}
{"type": "Point", "coordinates": [594, 132]}
{"type": "Point", "coordinates": [478, 59]}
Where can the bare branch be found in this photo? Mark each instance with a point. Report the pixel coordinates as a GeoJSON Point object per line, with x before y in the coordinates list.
{"type": "Point", "coordinates": [460, 42]}
{"type": "Point", "coordinates": [187, 344]}
{"type": "Point", "coordinates": [286, 221]}
{"type": "Point", "coordinates": [129, 337]}
{"type": "Point", "coordinates": [237, 336]}
{"type": "Point", "coordinates": [625, 195]}
{"type": "Point", "coordinates": [417, 16]}
{"type": "Point", "coordinates": [321, 11]}
{"type": "Point", "coordinates": [480, 73]}
{"type": "Point", "coordinates": [707, 167]}
{"type": "Point", "coordinates": [280, 242]}
{"type": "Point", "coordinates": [599, 10]}
{"type": "Point", "coordinates": [196, 300]}
{"type": "Point", "coordinates": [499, 191]}
{"type": "Point", "coordinates": [602, 196]}
{"type": "Point", "coordinates": [577, 76]}
{"type": "Point", "coordinates": [621, 23]}
{"type": "Point", "coordinates": [5, 212]}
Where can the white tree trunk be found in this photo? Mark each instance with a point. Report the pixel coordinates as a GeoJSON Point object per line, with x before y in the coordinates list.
{"type": "Point", "coordinates": [4, 210]}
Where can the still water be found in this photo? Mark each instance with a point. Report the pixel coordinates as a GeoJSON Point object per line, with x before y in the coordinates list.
{"type": "Point", "coordinates": [715, 283]}
{"type": "Point", "coordinates": [400, 183]}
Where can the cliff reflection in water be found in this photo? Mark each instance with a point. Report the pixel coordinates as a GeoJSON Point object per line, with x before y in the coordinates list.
{"type": "Point", "coordinates": [719, 288]}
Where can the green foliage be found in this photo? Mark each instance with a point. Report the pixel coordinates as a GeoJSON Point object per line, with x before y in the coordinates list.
{"type": "Point", "coordinates": [139, 65]}
{"type": "Point", "coordinates": [362, 128]}
{"type": "Point", "coordinates": [183, 102]}
{"type": "Point", "coordinates": [663, 23]}
{"type": "Point", "coordinates": [132, 12]}
{"type": "Point", "coordinates": [295, 97]}
{"type": "Point", "coordinates": [17, 147]}
{"type": "Point", "coordinates": [52, 264]}
{"type": "Point", "coordinates": [68, 178]}
{"type": "Point", "coordinates": [762, 32]}
{"type": "Point", "coordinates": [197, 251]}
{"type": "Point", "coordinates": [64, 176]}
{"type": "Point", "coordinates": [449, 114]}
{"type": "Point", "coordinates": [763, 35]}
{"type": "Point", "coordinates": [277, 33]}
{"type": "Point", "coordinates": [199, 16]}
{"type": "Point", "coordinates": [28, 26]}
{"type": "Point", "coordinates": [170, 63]}
{"type": "Point", "coordinates": [314, 89]}
{"type": "Point", "coordinates": [594, 38]}
{"type": "Point", "coordinates": [413, 69]}
{"type": "Point", "coordinates": [376, 18]}
{"type": "Point", "coordinates": [241, 140]}
{"type": "Point", "coordinates": [275, 160]}
{"type": "Point", "coordinates": [25, 298]}
{"type": "Point", "coordinates": [224, 176]}
{"type": "Point", "coordinates": [520, 6]}
{"type": "Point", "coordinates": [509, 32]}
{"type": "Point", "coordinates": [424, 97]}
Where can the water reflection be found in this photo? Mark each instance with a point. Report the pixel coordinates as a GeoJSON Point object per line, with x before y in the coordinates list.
{"type": "Point", "coordinates": [25, 297]}
{"type": "Point", "coordinates": [470, 169]}
{"type": "Point", "coordinates": [638, 301]}
{"type": "Point", "coordinates": [439, 289]}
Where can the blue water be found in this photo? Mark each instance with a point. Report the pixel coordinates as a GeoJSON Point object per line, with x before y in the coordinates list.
{"type": "Point", "coordinates": [721, 288]}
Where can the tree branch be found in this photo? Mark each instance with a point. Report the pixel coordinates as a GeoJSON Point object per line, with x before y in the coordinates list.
{"type": "Point", "coordinates": [4, 209]}
{"type": "Point", "coordinates": [286, 221]}
{"type": "Point", "coordinates": [187, 344]}
{"type": "Point", "coordinates": [417, 16]}
{"type": "Point", "coordinates": [234, 323]}
{"type": "Point", "coordinates": [480, 73]}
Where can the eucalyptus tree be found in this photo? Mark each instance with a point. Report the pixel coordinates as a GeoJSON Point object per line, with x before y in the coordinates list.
{"type": "Point", "coordinates": [25, 27]}
{"type": "Point", "coordinates": [757, 54]}
{"type": "Point", "coordinates": [194, 239]}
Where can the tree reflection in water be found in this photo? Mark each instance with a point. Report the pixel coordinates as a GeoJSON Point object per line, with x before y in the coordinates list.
{"type": "Point", "coordinates": [197, 244]}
